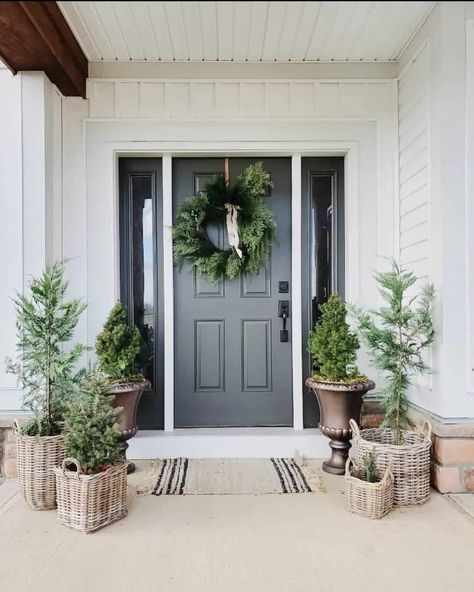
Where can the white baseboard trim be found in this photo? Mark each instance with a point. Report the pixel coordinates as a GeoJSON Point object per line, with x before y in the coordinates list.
{"type": "Point", "coordinates": [229, 443]}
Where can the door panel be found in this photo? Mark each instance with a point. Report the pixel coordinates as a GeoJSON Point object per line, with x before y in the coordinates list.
{"type": "Point", "coordinates": [231, 369]}
{"type": "Point", "coordinates": [141, 273]}
{"type": "Point", "coordinates": [322, 251]}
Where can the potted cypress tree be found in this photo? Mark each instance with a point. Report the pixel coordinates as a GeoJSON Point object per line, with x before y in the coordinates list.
{"type": "Point", "coordinates": [397, 336]}
{"type": "Point", "coordinates": [92, 481]}
{"type": "Point", "coordinates": [336, 381]}
{"type": "Point", "coordinates": [118, 348]}
{"type": "Point", "coordinates": [46, 372]}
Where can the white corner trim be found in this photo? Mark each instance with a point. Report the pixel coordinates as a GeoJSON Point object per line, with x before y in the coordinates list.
{"type": "Point", "coordinates": [297, 338]}
{"type": "Point", "coordinates": [351, 222]}
{"type": "Point", "coordinates": [168, 293]}
{"type": "Point", "coordinates": [469, 139]}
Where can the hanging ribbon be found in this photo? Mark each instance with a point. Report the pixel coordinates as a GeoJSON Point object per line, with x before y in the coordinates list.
{"type": "Point", "coordinates": [231, 217]}
{"type": "Point", "coordinates": [226, 169]}
{"type": "Point", "coordinates": [232, 227]}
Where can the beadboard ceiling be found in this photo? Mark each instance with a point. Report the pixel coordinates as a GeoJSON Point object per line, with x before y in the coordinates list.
{"type": "Point", "coordinates": [244, 31]}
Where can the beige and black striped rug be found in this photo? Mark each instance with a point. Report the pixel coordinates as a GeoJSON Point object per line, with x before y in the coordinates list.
{"type": "Point", "coordinates": [234, 476]}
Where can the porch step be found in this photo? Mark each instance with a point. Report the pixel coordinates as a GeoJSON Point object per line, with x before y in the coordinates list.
{"type": "Point", "coordinates": [229, 443]}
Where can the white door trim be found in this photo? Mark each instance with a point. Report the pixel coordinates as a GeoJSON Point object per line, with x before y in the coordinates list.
{"type": "Point", "coordinates": [296, 305]}
{"type": "Point", "coordinates": [294, 150]}
{"type": "Point", "coordinates": [168, 293]}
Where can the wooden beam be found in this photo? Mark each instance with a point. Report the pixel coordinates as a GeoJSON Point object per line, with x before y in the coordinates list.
{"type": "Point", "coordinates": [36, 36]}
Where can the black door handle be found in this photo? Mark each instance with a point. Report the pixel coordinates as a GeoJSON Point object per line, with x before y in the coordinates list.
{"type": "Point", "coordinates": [284, 313]}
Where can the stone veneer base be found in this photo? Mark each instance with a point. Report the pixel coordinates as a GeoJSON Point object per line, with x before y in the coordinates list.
{"type": "Point", "coordinates": [452, 462]}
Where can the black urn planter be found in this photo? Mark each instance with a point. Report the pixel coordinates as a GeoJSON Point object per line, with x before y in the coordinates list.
{"type": "Point", "coordinates": [338, 403]}
{"type": "Point", "coordinates": [127, 396]}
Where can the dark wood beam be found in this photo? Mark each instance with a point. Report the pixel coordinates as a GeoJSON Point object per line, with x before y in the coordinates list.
{"type": "Point", "coordinates": [36, 36]}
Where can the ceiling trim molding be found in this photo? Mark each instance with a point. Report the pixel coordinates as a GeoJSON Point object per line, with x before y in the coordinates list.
{"type": "Point", "coordinates": [35, 36]}
{"type": "Point", "coordinates": [235, 71]}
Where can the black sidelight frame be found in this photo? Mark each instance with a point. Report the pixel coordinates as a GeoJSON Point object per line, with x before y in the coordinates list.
{"type": "Point", "coordinates": [151, 408]}
{"type": "Point", "coordinates": [330, 171]}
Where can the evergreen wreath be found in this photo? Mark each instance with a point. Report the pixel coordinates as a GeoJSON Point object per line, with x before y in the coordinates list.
{"type": "Point", "coordinates": [251, 227]}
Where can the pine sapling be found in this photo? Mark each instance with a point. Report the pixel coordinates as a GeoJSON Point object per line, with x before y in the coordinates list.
{"type": "Point", "coordinates": [118, 347]}
{"type": "Point", "coordinates": [397, 336]}
{"type": "Point", "coordinates": [332, 344]}
{"type": "Point", "coordinates": [368, 471]}
{"type": "Point", "coordinates": [91, 426]}
{"type": "Point", "coordinates": [45, 322]}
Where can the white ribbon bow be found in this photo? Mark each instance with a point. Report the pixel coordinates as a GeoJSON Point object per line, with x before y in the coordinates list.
{"type": "Point", "coordinates": [232, 227]}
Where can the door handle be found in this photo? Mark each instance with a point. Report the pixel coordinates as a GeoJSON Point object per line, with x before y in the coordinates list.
{"type": "Point", "coordinates": [284, 313]}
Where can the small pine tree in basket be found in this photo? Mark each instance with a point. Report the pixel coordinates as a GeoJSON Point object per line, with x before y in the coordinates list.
{"type": "Point", "coordinates": [91, 426]}
{"type": "Point", "coordinates": [397, 336]}
{"type": "Point", "coordinates": [368, 471]}
{"type": "Point", "coordinates": [332, 344]}
{"type": "Point", "coordinates": [46, 371]}
{"type": "Point", "coordinates": [118, 347]}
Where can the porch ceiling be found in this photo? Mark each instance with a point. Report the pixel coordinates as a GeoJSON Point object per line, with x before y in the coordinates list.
{"type": "Point", "coordinates": [244, 31]}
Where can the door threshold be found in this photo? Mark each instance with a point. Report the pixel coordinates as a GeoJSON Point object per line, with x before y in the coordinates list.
{"type": "Point", "coordinates": [228, 443]}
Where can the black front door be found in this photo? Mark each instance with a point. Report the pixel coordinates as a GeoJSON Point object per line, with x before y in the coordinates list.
{"type": "Point", "coordinates": [231, 369]}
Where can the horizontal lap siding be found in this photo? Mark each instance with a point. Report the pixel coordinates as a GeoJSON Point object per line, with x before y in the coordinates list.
{"type": "Point", "coordinates": [414, 166]}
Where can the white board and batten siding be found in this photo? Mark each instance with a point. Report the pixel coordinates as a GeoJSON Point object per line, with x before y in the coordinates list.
{"type": "Point", "coordinates": [229, 100]}
{"type": "Point", "coordinates": [470, 199]}
{"type": "Point", "coordinates": [30, 198]}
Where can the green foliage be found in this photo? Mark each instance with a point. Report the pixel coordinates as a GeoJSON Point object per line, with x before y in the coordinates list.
{"type": "Point", "coordinates": [397, 336]}
{"type": "Point", "coordinates": [369, 471]}
{"type": "Point", "coordinates": [45, 322]}
{"type": "Point", "coordinates": [118, 346]}
{"type": "Point", "coordinates": [256, 224]}
{"type": "Point", "coordinates": [332, 345]}
{"type": "Point", "coordinates": [91, 435]}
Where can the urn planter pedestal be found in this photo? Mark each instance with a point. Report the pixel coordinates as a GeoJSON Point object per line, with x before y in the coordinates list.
{"type": "Point", "coordinates": [127, 396]}
{"type": "Point", "coordinates": [338, 403]}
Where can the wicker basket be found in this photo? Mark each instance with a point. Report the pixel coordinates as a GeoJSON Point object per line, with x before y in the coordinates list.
{"type": "Point", "coordinates": [410, 461]}
{"type": "Point", "coordinates": [373, 500]}
{"type": "Point", "coordinates": [36, 458]}
{"type": "Point", "coordinates": [90, 502]}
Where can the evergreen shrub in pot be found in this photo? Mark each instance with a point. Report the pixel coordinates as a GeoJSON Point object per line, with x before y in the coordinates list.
{"type": "Point", "coordinates": [336, 381]}
{"type": "Point", "coordinates": [92, 480]}
{"type": "Point", "coordinates": [46, 371]}
{"type": "Point", "coordinates": [397, 336]}
{"type": "Point", "coordinates": [118, 349]}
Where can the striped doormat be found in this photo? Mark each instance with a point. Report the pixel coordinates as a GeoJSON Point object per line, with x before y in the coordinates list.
{"type": "Point", "coordinates": [237, 476]}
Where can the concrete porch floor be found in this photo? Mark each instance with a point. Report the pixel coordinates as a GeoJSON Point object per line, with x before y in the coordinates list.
{"type": "Point", "coordinates": [268, 543]}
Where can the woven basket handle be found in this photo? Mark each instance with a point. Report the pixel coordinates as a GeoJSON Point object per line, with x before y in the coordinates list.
{"type": "Point", "coordinates": [355, 428]}
{"type": "Point", "coordinates": [16, 427]}
{"type": "Point", "coordinates": [72, 461]}
{"type": "Point", "coordinates": [349, 463]}
{"type": "Point", "coordinates": [388, 473]}
{"type": "Point", "coordinates": [427, 429]}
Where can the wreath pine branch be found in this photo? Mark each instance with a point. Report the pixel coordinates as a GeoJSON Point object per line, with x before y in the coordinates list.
{"type": "Point", "coordinates": [256, 224]}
